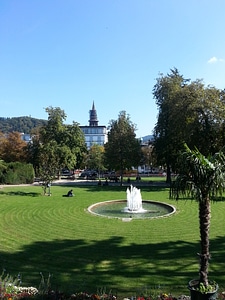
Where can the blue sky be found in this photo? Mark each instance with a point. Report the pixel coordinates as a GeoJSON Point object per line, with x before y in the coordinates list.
{"type": "Point", "coordinates": [69, 53]}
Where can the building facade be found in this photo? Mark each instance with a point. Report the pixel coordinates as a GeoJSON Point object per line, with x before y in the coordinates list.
{"type": "Point", "coordinates": [94, 134]}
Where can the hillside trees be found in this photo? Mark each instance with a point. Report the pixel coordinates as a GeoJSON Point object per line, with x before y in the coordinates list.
{"type": "Point", "coordinates": [188, 112]}
{"type": "Point", "coordinates": [56, 146]}
{"type": "Point", "coordinates": [20, 124]}
{"type": "Point", "coordinates": [123, 150]}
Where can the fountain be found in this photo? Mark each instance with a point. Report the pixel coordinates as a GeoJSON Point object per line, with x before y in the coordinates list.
{"type": "Point", "coordinates": [134, 201]}
{"type": "Point", "coordinates": [135, 208]}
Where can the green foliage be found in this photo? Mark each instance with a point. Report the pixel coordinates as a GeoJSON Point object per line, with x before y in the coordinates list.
{"type": "Point", "coordinates": [3, 167]}
{"type": "Point", "coordinates": [33, 153]}
{"type": "Point", "coordinates": [49, 165]}
{"type": "Point", "coordinates": [212, 287]}
{"type": "Point", "coordinates": [10, 288]}
{"type": "Point", "coordinates": [123, 150]}
{"type": "Point", "coordinates": [54, 129]}
{"type": "Point", "coordinates": [20, 124]}
{"type": "Point", "coordinates": [45, 285]}
{"type": "Point", "coordinates": [95, 158]}
{"type": "Point", "coordinates": [59, 146]}
{"type": "Point", "coordinates": [202, 177]}
{"type": "Point", "coordinates": [9, 285]}
{"type": "Point", "coordinates": [17, 173]}
{"type": "Point", "coordinates": [189, 113]}
{"type": "Point", "coordinates": [149, 157]}
{"type": "Point", "coordinates": [169, 131]}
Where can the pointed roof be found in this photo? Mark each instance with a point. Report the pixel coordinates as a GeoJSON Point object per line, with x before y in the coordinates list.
{"type": "Point", "coordinates": [93, 121]}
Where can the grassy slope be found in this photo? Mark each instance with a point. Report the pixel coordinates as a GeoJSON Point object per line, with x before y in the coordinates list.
{"type": "Point", "coordinates": [83, 252]}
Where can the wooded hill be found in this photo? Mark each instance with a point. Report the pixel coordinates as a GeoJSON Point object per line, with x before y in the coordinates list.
{"type": "Point", "coordinates": [20, 124]}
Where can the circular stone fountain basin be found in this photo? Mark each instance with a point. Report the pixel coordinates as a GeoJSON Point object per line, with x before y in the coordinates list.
{"type": "Point", "coordinates": [118, 209]}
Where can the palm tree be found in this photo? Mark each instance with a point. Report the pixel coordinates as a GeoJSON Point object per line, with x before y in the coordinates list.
{"type": "Point", "coordinates": [204, 178]}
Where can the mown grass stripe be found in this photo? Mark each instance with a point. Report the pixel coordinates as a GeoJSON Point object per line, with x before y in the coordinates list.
{"type": "Point", "coordinates": [56, 234]}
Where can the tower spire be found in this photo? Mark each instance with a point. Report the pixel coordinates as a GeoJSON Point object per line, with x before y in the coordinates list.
{"type": "Point", "coordinates": [93, 121]}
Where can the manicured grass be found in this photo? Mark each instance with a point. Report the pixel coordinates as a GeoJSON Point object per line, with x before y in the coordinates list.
{"type": "Point", "coordinates": [147, 179]}
{"type": "Point", "coordinates": [83, 252]}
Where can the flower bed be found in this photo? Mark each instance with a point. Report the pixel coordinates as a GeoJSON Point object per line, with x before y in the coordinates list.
{"type": "Point", "coordinates": [11, 289]}
{"type": "Point", "coordinates": [22, 293]}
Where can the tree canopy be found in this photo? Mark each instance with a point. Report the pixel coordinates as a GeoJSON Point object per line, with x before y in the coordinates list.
{"type": "Point", "coordinates": [57, 145]}
{"type": "Point", "coordinates": [94, 159]}
{"type": "Point", "coordinates": [188, 111]}
{"type": "Point", "coordinates": [123, 150]}
{"type": "Point", "coordinates": [12, 147]}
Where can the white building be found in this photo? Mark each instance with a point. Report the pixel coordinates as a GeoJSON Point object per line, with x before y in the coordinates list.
{"type": "Point", "coordinates": [94, 134]}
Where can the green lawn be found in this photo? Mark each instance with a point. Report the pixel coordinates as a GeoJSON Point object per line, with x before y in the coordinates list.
{"type": "Point", "coordinates": [83, 252]}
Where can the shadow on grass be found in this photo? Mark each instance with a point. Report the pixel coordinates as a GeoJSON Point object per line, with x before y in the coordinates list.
{"type": "Point", "coordinates": [116, 188]}
{"type": "Point", "coordinates": [80, 266]}
{"type": "Point", "coordinates": [19, 193]}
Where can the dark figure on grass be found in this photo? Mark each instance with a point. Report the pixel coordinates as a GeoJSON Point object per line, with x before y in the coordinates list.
{"type": "Point", "coordinates": [69, 194]}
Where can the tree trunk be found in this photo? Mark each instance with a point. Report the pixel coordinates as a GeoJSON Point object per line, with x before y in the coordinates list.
{"type": "Point", "coordinates": [121, 176]}
{"type": "Point", "coordinates": [168, 173]}
{"type": "Point", "coordinates": [204, 223]}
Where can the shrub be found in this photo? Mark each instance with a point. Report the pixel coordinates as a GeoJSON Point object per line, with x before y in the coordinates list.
{"type": "Point", "coordinates": [17, 173]}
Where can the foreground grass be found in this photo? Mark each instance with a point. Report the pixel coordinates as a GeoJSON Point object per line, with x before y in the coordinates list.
{"type": "Point", "coordinates": [83, 252]}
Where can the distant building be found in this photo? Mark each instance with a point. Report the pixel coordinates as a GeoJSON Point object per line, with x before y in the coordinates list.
{"type": "Point", "coordinates": [147, 140]}
{"type": "Point", "coordinates": [94, 134]}
{"type": "Point", "coordinates": [26, 137]}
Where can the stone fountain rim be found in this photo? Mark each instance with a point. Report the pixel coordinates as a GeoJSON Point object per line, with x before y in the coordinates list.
{"type": "Point", "coordinates": [125, 201]}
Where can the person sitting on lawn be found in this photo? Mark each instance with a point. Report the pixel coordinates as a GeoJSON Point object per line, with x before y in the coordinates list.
{"type": "Point", "coordinates": [70, 193]}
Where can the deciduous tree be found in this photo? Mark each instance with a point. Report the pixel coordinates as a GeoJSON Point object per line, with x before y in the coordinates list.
{"type": "Point", "coordinates": [167, 139]}
{"type": "Point", "coordinates": [188, 112]}
{"type": "Point", "coordinates": [123, 149]}
{"type": "Point", "coordinates": [95, 158]}
{"type": "Point", "coordinates": [57, 145]}
{"type": "Point", "coordinates": [13, 148]}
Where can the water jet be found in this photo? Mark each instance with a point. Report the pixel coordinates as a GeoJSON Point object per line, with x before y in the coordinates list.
{"type": "Point", "coordinates": [132, 208]}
